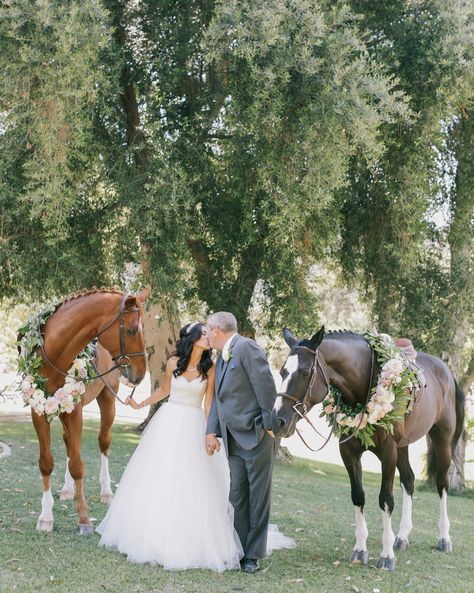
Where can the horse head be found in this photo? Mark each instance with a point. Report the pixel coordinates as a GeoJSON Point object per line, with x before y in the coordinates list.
{"type": "Point", "coordinates": [123, 337]}
{"type": "Point", "coordinates": [304, 383]}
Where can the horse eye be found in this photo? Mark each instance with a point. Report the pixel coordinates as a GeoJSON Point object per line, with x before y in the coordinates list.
{"type": "Point", "coordinates": [131, 332]}
{"type": "Point", "coordinates": [305, 373]}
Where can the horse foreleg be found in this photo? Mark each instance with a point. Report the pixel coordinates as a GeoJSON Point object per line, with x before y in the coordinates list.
{"type": "Point", "coordinates": [351, 453]}
{"type": "Point", "coordinates": [106, 402]}
{"type": "Point", "coordinates": [387, 454]}
{"type": "Point", "coordinates": [73, 424]}
{"type": "Point", "coordinates": [46, 465]}
{"type": "Point", "coordinates": [67, 491]}
{"type": "Point", "coordinates": [407, 483]}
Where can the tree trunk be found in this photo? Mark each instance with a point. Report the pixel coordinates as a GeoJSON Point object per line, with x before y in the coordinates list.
{"type": "Point", "coordinates": [458, 322]}
{"type": "Point", "coordinates": [161, 332]}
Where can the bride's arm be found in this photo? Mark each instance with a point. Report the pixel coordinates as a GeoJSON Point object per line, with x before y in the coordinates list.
{"type": "Point", "coordinates": [209, 391]}
{"type": "Point", "coordinates": [162, 391]}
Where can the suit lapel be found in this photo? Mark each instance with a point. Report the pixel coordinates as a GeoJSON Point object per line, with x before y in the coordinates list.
{"type": "Point", "coordinates": [224, 365]}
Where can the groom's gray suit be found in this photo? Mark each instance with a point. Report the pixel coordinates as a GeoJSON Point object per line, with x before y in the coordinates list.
{"type": "Point", "coordinates": [240, 413]}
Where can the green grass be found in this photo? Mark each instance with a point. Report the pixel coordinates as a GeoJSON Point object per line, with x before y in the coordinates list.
{"type": "Point", "coordinates": [311, 502]}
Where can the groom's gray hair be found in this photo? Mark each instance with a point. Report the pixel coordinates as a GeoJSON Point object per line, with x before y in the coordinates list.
{"type": "Point", "coordinates": [226, 321]}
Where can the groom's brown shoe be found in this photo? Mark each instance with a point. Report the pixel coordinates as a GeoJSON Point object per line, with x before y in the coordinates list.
{"type": "Point", "coordinates": [250, 565]}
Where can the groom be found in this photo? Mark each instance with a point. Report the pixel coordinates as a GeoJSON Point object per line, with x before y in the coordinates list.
{"type": "Point", "coordinates": [240, 413]}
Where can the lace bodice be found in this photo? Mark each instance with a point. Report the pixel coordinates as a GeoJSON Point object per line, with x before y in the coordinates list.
{"type": "Point", "coordinates": [187, 393]}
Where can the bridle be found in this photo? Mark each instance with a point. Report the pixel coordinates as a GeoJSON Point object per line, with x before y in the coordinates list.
{"type": "Point", "coordinates": [316, 364]}
{"type": "Point", "coordinates": [297, 403]}
{"type": "Point", "coordinates": [123, 360]}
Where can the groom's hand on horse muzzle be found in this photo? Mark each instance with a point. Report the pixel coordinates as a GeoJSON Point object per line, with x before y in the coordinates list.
{"type": "Point", "coordinates": [212, 444]}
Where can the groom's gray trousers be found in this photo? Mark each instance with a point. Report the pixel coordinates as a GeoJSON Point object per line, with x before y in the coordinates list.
{"type": "Point", "coordinates": [250, 492]}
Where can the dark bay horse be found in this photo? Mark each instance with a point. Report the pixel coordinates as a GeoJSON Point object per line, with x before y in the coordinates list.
{"type": "Point", "coordinates": [115, 319]}
{"type": "Point", "coordinates": [344, 360]}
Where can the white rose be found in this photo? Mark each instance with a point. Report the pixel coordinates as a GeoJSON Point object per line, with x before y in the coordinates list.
{"type": "Point", "coordinates": [329, 409]}
{"type": "Point", "coordinates": [69, 386]}
{"type": "Point", "coordinates": [25, 385]}
{"type": "Point", "coordinates": [38, 394]}
{"type": "Point", "coordinates": [385, 396]}
{"type": "Point", "coordinates": [341, 419]}
{"type": "Point", "coordinates": [39, 409]}
{"type": "Point", "coordinates": [68, 408]}
{"type": "Point", "coordinates": [51, 405]}
{"type": "Point", "coordinates": [360, 421]}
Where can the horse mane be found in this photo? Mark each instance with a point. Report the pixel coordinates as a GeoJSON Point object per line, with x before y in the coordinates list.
{"type": "Point", "coordinates": [88, 291]}
{"type": "Point", "coordinates": [339, 332]}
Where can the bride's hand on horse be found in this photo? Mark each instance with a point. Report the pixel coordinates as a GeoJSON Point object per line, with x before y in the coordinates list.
{"type": "Point", "coordinates": [131, 402]}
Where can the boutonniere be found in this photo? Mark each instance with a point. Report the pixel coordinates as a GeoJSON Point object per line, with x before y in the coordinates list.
{"type": "Point", "coordinates": [226, 356]}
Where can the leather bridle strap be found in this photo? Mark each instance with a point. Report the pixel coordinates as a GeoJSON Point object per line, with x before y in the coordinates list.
{"type": "Point", "coordinates": [303, 414]}
{"type": "Point", "coordinates": [123, 358]}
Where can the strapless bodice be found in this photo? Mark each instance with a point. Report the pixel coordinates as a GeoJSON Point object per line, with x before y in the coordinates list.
{"type": "Point", "coordinates": [187, 393]}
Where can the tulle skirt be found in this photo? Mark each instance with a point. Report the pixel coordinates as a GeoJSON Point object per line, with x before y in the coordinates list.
{"type": "Point", "coordinates": [171, 506]}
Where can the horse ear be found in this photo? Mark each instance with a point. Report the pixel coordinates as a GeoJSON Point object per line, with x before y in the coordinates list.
{"type": "Point", "coordinates": [144, 294]}
{"type": "Point", "coordinates": [130, 302]}
{"type": "Point", "coordinates": [317, 338]}
{"type": "Point", "coordinates": [289, 337]}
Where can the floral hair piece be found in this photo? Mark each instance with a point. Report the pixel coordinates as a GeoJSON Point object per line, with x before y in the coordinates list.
{"type": "Point", "coordinates": [191, 325]}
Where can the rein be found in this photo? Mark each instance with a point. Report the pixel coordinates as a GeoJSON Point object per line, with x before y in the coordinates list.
{"type": "Point", "coordinates": [123, 359]}
{"type": "Point", "coordinates": [307, 396]}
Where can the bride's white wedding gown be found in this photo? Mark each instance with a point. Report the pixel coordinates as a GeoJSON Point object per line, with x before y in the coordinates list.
{"type": "Point", "coordinates": [171, 506]}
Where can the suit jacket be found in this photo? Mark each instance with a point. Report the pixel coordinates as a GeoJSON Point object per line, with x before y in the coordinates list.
{"type": "Point", "coordinates": [244, 395]}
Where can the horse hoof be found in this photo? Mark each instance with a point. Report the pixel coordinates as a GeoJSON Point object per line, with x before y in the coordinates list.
{"type": "Point", "coordinates": [360, 557]}
{"type": "Point", "coordinates": [106, 498]}
{"type": "Point", "coordinates": [400, 544]}
{"type": "Point", "coordinates": [444, 545]}
{"type": "Point", "coordinates": [386, 563]}
{"type": "Point", "coordinates": [44, 526]}
{"type": "Point", "coordinates": [66, 495]}
{"type": "Point", "coordinates": [85, 529]}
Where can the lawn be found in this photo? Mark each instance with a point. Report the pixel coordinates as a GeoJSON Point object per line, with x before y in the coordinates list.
{"type": "Point", "coordinates": [311, 502]}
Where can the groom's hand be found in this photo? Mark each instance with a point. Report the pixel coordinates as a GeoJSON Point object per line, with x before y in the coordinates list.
{"type": "Point", "coordinates": [212, 444]}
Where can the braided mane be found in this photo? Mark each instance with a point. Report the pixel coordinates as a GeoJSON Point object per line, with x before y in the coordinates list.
{"type": "Point", "coordinates": [89, 291]}
{"type": "Point", "coordinates": [342, 331]}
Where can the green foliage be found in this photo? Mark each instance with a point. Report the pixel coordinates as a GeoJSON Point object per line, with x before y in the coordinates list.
{"type": "Point", "coordinates": [388, 400]}
{"type": "Point", "coordinates": [229, 146]}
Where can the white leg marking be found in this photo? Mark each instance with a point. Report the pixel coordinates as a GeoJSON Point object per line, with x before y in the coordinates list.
{"type": "Point", "coordinates": [443, 517]}
{"type": "Point", "coordinates": [388, 537]}
{"type": "Point", "coordinates": [104, 477]}
{"type": "Point", "coordinates": [47, 503]}
{"type": "Point", "coordinates": [68, 479]}
{"type": "Point", "coordinates": [406, 524]}
{"type": "Point", "coordinates": [361, 532]}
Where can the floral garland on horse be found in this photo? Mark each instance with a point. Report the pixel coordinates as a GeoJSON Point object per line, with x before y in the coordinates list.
{"type": "Point", "coordinates": [33, 384]}
{"type": "Point", "coordinates": [388, 402]}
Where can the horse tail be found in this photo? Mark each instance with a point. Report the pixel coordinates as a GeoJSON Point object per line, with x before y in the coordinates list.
{"type": "Point", "coordinates": [459, 404]}
{"type": "Point", "coordinates": [460, 413]}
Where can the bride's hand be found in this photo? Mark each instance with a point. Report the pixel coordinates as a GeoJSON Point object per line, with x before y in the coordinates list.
{"type": "Point", "coordinates": [131, 402]}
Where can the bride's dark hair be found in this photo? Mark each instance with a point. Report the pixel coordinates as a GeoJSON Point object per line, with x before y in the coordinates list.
{"type": "Point", "coordinates": [189, 334]}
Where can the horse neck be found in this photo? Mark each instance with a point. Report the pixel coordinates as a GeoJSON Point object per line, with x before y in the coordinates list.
{"type": "Point", "coordinates": [72, 327]}
{"type": "Point", "coordinates": [348, 363]}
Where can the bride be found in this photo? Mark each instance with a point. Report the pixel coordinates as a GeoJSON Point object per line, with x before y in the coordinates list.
{"type": "Point", "coordinates": [171, 506]}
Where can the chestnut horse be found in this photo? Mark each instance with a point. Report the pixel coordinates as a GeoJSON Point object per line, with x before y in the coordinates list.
{"type": "Point", "coordinates": [345, 361]}
{"type": "Point", "coordinates": [115, 319]}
